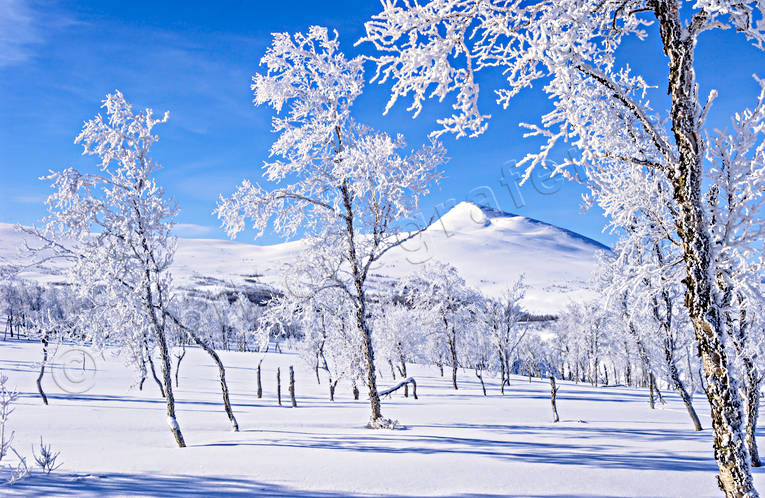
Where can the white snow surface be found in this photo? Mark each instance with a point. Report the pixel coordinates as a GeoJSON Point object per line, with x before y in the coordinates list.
{"type": "Point", "coordinates": [490, 249]}
{"type": "Point", "coordinates": [114, 441]}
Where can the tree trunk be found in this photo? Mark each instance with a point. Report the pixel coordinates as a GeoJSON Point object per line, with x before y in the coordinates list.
{"type": "Point", "coordinates": [730, 448]}
{"type": "Point", "coordinates": [401, 384]}
{"type": "Point", "coordinates": [502, 372]}
{"type": "Point", "coordinates": [221, 371]}
{"type": "Point", "coordinates": [480, 377]}
{"type": "Point", "coordinates": [651, 391]}
{"type": "Point", "coordinates": [292, 387]}
{"type": "Point", "coordinates": [553, 394]}
{"type": "Point", "coordinates": [332, 386]}
{"type": "Point", "coordinates": [687, 399]}
{"type": "Point", "coordinates": [279, 386]}
{"type": "Point", "coordinates": [376, 419]}
{"type": "Point", "coordinates": [752, 379]}
{"type": "Point", "coordinates": [153, 370]}
{"type": "Point", "coordinates": [172, 421]}
{"type": "Point", "coordinates": [453, 353]}
{"type": "Point", "coordinates": [658, 391]}
{"type": "Point", "coordinates": [178, 364]}
{"type": "Point", "coordinates": [402, 370]}
{"type": "Point", "coordinates": [355, 392]}
{"type": "Point", "coordinates": [752, 391]}
{"type": "Point", "coordinates": [44, 362]}
{"type": "Point", "coordinates": [260, 386]}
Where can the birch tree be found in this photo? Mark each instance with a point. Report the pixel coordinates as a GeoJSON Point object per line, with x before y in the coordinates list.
{"type": "Point", "coordinates": [601, 108]}
{"type": "Point", "coordinates": [438, 287]}
{"type": "Point", "coordinates": [351, 184]}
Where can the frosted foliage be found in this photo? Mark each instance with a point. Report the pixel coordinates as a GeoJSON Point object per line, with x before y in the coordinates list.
{"type": "Point", "coordinates": [325, 149]}
{"type": "Point", "coordinates": [439, 291]}
{"type": "Point", "coordinates": [114, 226]}
{"type": "Point", "coordinates": [433, 49]}
{"type": "Point", "coordinates": [400, 332]}
{"type": "Point", "coordinates": [351, 189]}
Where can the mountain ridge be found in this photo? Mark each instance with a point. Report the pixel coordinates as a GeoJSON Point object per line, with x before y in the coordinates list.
{"type": "Point", "coordinates": [491, 248]}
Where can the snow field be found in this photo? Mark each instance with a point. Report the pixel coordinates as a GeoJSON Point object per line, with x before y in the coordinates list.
{"type": "Point", "coordinates": [114, 441]}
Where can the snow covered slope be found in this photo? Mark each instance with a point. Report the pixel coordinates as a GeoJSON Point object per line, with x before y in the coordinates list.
{"type": "Point", "coordinates": [492, 248]}
{"type": "Point", "coordinates": [114, 440]}
{"type": "Point", "coordinates": [489, 247]}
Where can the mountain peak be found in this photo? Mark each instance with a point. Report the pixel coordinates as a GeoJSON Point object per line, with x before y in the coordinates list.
{"type": "Point", "coordinates": [467, 216]}
{"type": "Point", "coordinates": [464, 216]}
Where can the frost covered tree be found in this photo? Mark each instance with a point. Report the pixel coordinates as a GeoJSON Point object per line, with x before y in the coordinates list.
{"type": "Point", "coordinates": [736, 199]}
{"type": "Point", "coordinates": [114, 229]}
{"type": "Point", "coordinates": [642, 287]}
{"type": "Point", "coordinates": [327, 339]}
{"type": "Point", "coordinates": [480, 348]}
{"type": "Point", "coordinates": [601, 108]}
{"type": "Point", "coordinates": [502, 318]}
{"type": "Point", "coordinates": [439, 288]}
{"type": "Point", "coordinates": [643, 279]}
{"type": "Point", "coordinates": [351, 184]}
{"type": "Point", "coordinates": [117, 229]}
{"type": "Point", "coordinates": [8, 397]}
{"type": "Point", "coordinates": [400, 331]}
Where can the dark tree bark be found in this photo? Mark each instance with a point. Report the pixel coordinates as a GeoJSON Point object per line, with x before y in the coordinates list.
{"type": "Point", "coordinates": [260, 386]}
{"type": "Point", "coordinates": [453, 353]}
{"type": "Point", "coordinates": [402, 369]}
{"type": "Point", "coordinates": [221, 369]}
{"type": "Point", "coordinates": [44, 362]}
{"type": "Point", "coordinates": [153, 370]}
{"type": "Point", "coordinates": [279, 386]}
{"type": "Point", "coordinates": [553, 394]}
{"type": "Point", "coordinates": [332, 386]}
{"type": "Point", "coordinates": [168, 384]}
{"type": "Point", "coordinates": [752, 379]}
{"type": "Point", "coordinates": [502, 371]}
{"type": "Point", "coordinates": [179, 358]}
{"type": "Point", "coordinates": [701, 298]}
{"type": "Point", "coordinates": [752, 413]}
{"type": "Point", "coordinates": [292, 387]}
{"type": "Point", "coordinates": [480, 377]}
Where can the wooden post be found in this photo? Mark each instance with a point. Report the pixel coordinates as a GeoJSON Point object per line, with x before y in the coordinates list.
{"type": "Point", "coordinates": [260, 386]}
{"type": "Point", "coordinates": [292, 387]}
{"type": "Point", "coordinates": [553, 393]}
{"type": "Point", "coordinates": [279, 386]}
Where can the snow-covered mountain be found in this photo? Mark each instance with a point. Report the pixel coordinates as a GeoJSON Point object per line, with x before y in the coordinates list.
{"type": "Point", "coordinates": [490, 248]}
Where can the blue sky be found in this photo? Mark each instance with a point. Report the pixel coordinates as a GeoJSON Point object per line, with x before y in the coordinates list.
{"type": "Point", "coordinates": [59, 59]}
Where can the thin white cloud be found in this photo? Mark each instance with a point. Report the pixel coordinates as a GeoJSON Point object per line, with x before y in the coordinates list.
{"type": "Point", "coordinates": [25, 24]}
{"type": "Point", "coordinates": [29, 199]}
{"type": "Point", "coordinates": [191, 230]}
{"type": "Point", "coordinates": [18, 32]}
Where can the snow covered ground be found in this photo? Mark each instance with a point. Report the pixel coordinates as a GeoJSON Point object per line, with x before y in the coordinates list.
{"type": "Point", "coordinates": [114, 441]}
{"type": "Point", "coordinates": [489, 248]}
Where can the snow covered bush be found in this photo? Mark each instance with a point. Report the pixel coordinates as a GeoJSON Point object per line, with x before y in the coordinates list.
{"type": "Point", "coordinates": [15, 472]}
